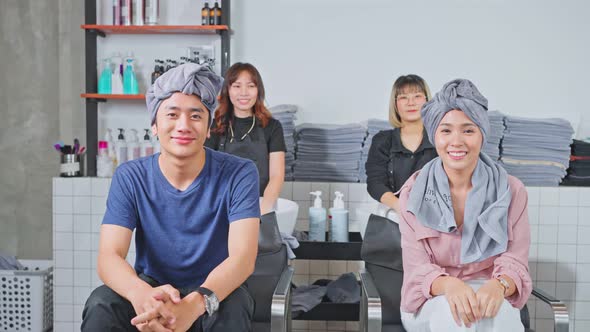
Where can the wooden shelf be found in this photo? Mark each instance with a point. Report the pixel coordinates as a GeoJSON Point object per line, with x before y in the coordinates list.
{"type": "Point", "coordinates": [155, 29]}
{"type": "Point", "coordinates": [104, 97]}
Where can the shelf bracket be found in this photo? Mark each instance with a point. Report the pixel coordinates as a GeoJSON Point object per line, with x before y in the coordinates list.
{"type": "Point", "coordinates": [97, 100]}
{"type": "Point", "coordinates": [98, 32]}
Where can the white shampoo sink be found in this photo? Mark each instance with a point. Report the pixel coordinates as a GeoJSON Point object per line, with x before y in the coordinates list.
{"type": "Point", "coordinates": [286, 211]}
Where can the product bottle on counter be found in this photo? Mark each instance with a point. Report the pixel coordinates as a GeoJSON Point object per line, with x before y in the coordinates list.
{"type": "Point", "coordinates": [105, 80]}
{"type": "Point", "coordinates": [133, 148]}
{"type": "Point", "coordinates": [108, 137]}
{"type": "Point", "coordinates": [152, 12]}
{"type": "Point", "coordinates": [130, 85]}
{"type": "Point", "coordinates": [205, 13]}
{"type": "Point", "coordinates": [147, 149]}
{"type": "Point", "coordinates": [104, 164]}
{"type": "Point", "coordinates": [138, 12]}
{"type": "Point", "coordinates": [121, 147]}
{"type": "Point", "coordinates": [338, 220]}
{"type": "Point", "coordinates": [317, 219]}
{"type": "Point", "coordinates": [126, 18]}
{"type": "Point", "coordinates": [216, 10]}
{"type": "Point", "coordinates": [116, 12]}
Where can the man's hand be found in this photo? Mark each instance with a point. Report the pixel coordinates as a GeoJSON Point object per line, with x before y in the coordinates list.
{"type": "Point", "coordinates": [490, 297]}
{"type": "Point", "coordinates": [170, 315]}
{"type": "Point", "coordinates": [153, 300]}
{"type": "Point", "coordinates": [462, 301]}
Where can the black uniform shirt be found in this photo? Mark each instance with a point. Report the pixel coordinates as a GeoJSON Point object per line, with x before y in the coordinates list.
{"type": "Point", "coordinates": [273, 134]}
{"type": "Point", "coordinates": [390, 164]}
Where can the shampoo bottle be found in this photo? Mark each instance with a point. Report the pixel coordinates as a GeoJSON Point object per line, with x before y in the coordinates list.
{"type": "Point", "coordinates": [105, 80]}
{"type": "Point", "coordinates": [317, 219]}
{"type": "Point", "coordinates": [104, 164]}
{"type": "Point", "coordinates": [133, 146]}
{"type": "Point", "coordinates": [108, 137]}
{"type": "Point", "coordinates": [338, 220]}
{"type": "Point", "coordinates": [121, 147]}
{"type": "Point", "coordinates": [147, 149]}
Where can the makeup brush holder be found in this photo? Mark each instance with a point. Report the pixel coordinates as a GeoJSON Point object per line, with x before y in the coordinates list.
{"type": "Point", "coordinates": [72, 165]}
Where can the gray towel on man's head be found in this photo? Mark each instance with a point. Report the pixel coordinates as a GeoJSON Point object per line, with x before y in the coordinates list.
{"type": "Point", "coordinates": [457, 94]}
{"type": "Point", "coordinates": [190, 79]}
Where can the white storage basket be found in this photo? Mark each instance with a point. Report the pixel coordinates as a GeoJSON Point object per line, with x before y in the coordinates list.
{"type": "Point", "coordinates": [26, 297]}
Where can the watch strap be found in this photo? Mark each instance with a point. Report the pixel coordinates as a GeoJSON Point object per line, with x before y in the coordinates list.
{"type": "Point", "coordinates": [204, 291]}
{"type": "Point", "coordinates": [504, 284]}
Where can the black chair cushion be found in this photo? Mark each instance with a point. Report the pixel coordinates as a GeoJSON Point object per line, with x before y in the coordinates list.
{"type": "Point", "coordinates": [270, 263]}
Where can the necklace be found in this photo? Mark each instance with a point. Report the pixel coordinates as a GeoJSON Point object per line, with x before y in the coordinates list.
{"type": "Point", "coordinates": [231, 130]}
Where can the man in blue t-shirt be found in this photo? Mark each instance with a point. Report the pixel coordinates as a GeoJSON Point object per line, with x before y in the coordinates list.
{"type": "Point", "coordinates": [195, 213]}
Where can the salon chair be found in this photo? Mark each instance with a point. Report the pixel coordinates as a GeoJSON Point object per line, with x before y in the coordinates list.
{"type": "Point", "coordinates": [270, 283]}
{"type": "Point", "coordinates": [381, 282]}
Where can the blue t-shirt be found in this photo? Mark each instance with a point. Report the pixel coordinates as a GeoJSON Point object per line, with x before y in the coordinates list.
{"type": "Point", "coordinates": [181, 236]}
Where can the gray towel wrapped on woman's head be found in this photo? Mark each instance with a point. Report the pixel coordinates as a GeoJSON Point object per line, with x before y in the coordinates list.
{"type": "Point", "coordinates": [457, 94]}
{"type": "Point", "coordinates": [190, 79]}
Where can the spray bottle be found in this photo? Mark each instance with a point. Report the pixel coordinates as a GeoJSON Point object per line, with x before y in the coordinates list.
{"type": "Point", "coordinates": [121, 147]}
{"type": "Point", "coordinates": [338, 219]}
{"type": "Point", "coordinates": [133, 146]}
{"type": "Point", "coordinates": [317, 219]}
{"type": "Point", "coordinates": [130, 86]}
{"type": "Point", "coordinates": [147, 149]}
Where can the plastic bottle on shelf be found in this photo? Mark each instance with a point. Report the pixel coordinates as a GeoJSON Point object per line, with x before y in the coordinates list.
{"type": "Point", "coordinates": [104, 164]}
{"type": "Point", "coordinates": [121, 147]}
{"type": "Point", "coordinates": [147, 149]}
{"type": "Point", "coordinates": [205, 12]}
{"type": "Point", "coordinates": [152, 12]}
{"type": "Point", "coordinates": [130, 86]}
{"type": "Point", "coordinates": [133, 149]}
{"type": "Point", "coordinates": [116, 12]}
{"type": "Point", "coordinates": [338, 219]}
{"type": "Point", "coordinates": [138, 12]}
{"type": "Point", "coordinates": [216, 10]}
{"type": "Point", "coordinates": [126, 12]}
{"type": "Point", "coordinates": [105, 80]}
{"type": "Point", "coordinates": [317, 219]}
{"type": "Point", "coordinates": [108, 137]}
{"type": "Point", "coordinates": [156, 73]}
{"type": "Point", "coordinates": [116, 79]}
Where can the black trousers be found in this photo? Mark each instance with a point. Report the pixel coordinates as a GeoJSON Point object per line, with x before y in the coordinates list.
{"type": "Point", "coordinates": [107, 311]}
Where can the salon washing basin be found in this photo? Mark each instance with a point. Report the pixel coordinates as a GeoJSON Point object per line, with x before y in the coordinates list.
{"type": "Point", "coordinates": [286, 212]}
{"type": "Point", "coordinates": [363, 213]}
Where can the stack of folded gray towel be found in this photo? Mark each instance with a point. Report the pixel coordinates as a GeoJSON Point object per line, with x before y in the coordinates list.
{"type": "Point", "coordinates": [537, 151]}
{"type": "Point", "coordinates": [285, 114]}
{"type": "Point", "coordinates": [373, 127]}
{"type": "Point", "coordinates": [492, 146]}
{"type": "Point", "coordinates": [328, 153]}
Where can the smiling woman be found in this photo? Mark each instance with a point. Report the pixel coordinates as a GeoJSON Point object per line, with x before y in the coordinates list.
{"type": "Point", "coordinates": [245, 128]}
{"type": "Point", "coordinates": [464, 226]}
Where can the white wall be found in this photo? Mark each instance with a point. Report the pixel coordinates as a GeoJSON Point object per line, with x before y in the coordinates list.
{"type": "Point", "coordinates": [337, 59]}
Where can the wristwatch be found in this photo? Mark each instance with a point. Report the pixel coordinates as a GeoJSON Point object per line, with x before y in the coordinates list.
{"type": "Point", "coordinates": [211, 301]}
{"type": "Point", "coordinates": [504, 284]}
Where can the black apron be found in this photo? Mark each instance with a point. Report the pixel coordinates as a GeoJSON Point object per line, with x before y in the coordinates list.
{"type": "Point", "coordinates": [253, 149]}
{"type": "Point", "coordinates": [403, 163]}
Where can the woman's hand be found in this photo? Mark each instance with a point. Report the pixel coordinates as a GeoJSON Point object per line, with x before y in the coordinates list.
{"type": "Point", "coordinates": [490, 297]}
{"type": "Point", "coordinates": [462, 301]}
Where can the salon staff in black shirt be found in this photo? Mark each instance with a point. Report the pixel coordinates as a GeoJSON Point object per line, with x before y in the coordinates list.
{"type": "Point", "coordinates": [244, 127]}
{"type": "Point", "coordinates": [396, 154]}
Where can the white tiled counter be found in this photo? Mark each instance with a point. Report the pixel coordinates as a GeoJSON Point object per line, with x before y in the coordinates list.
{"type": "Point", "coordinates": [559, 255]}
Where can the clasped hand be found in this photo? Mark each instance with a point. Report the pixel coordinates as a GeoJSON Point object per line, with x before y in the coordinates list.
{"type": "Point", "coordinates": [468, 306]}
{"type": "Point", "coordinates": [162, 310]}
